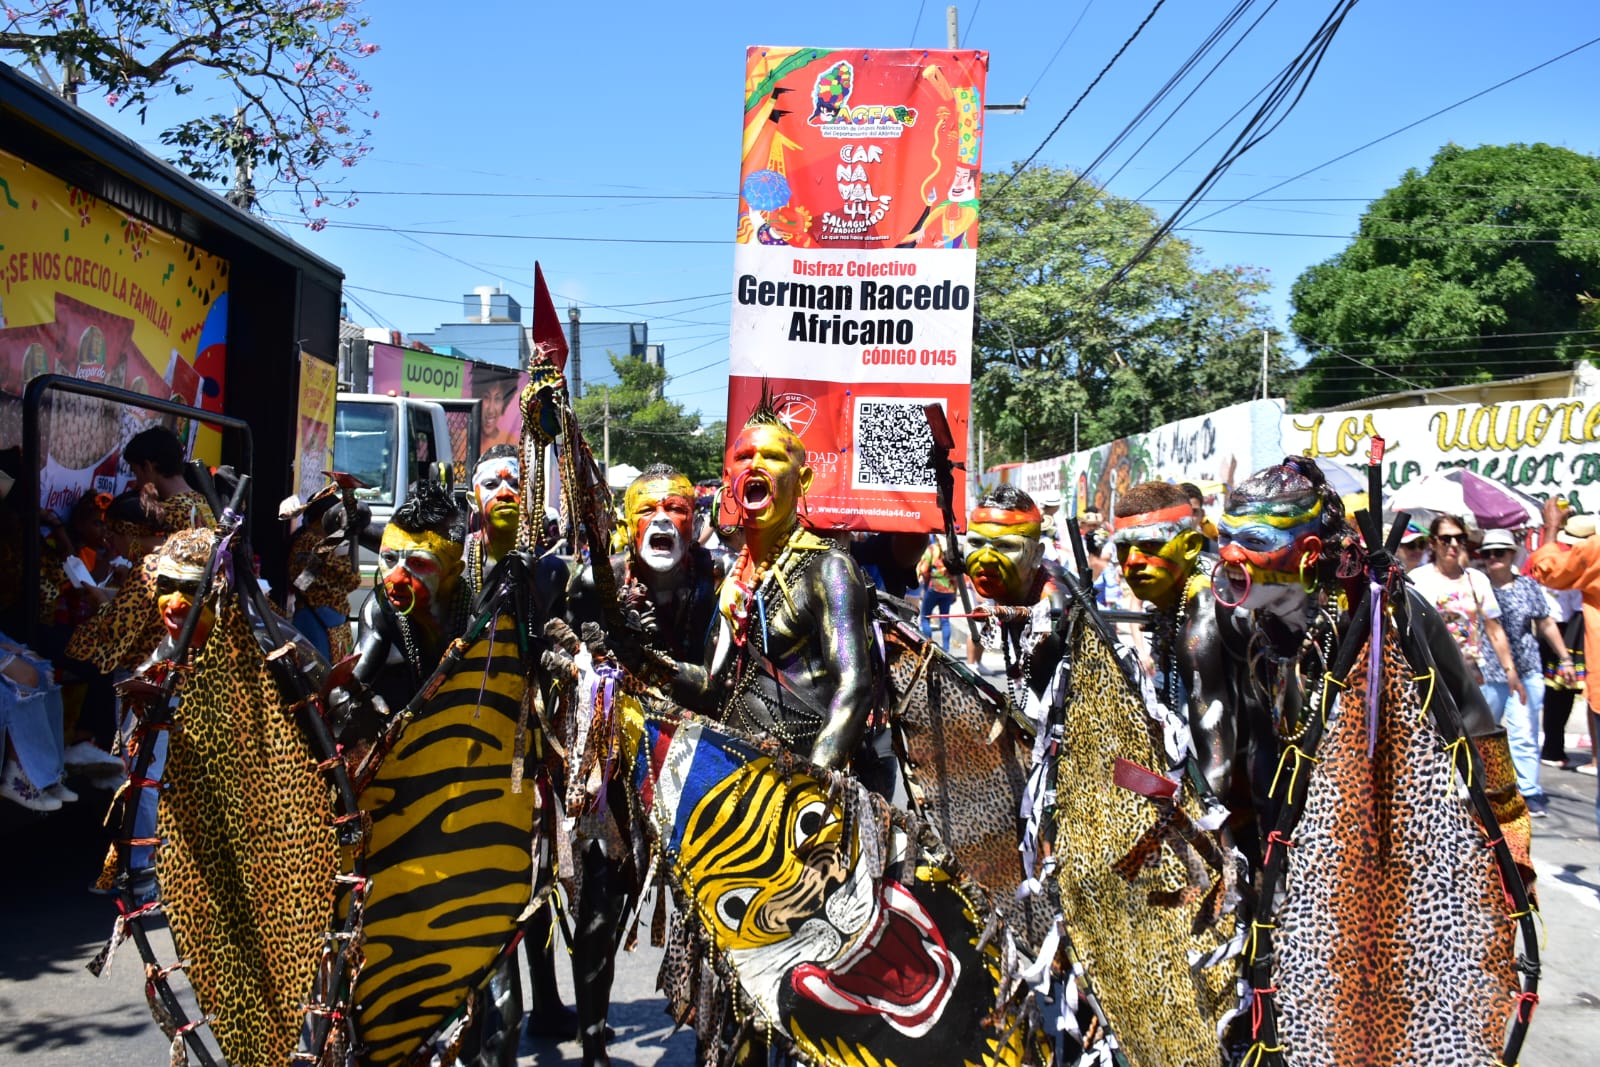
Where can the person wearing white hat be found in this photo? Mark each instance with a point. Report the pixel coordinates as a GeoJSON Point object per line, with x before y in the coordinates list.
{"type": "Point", "coordinates": [1051, 528]}
{"type": "Point", "coordinates": [1523, 612]}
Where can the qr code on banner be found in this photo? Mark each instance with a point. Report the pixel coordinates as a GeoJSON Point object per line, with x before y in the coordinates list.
{"type": "Point", "coordinates": [892, 439]}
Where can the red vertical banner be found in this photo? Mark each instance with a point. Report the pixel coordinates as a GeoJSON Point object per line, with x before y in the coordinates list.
{"type": "Point", "coordinates": [855, 268]}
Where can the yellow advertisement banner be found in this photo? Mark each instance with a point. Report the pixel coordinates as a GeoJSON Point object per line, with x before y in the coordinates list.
{"type": "Point", "coordinates": [89, 291]}
{"type": "Point", "coordinates": [313, 449]}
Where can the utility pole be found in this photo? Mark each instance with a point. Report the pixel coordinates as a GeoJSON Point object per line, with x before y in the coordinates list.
{"type": "Point", "coordinates": [243, 193]}
{"type": "Point", "coordinates": [607, 424]}
{"type": "Point", "coordinates": [952, 29]}
{"type": "Point", "coordinates": [575, 353]}
{"type": "Point", "coordinates": [1265, 336]}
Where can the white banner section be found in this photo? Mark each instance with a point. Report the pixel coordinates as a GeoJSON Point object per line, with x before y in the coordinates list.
{"type": "Point", "coordinates": [884, 315]}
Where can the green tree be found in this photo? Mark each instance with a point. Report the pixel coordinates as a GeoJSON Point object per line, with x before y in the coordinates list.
{"type": "Point", "coordinates": [289, 66]}
{"type": "Point", "coordinates": [1485, 265]}
{"type": "Point", "coordinates": [646, 428]}
{"type": "Point", "coordinates": [1173, 339]}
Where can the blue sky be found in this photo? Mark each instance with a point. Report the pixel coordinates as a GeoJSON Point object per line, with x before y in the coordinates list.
{"type": "Point", "coordinates": [624, 119]}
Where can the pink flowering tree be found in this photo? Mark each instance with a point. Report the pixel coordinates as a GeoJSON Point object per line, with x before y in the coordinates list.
{"type": "Point", "coordinates": [299, 105]}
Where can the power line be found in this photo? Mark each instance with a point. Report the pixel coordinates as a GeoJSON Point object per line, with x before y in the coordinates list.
{"type": "Point", "coordinates": [968, 27]}
{"type": "Point", "coordinates": [369, 227]}
{"type": "Point", "coordinates": [1220, 127]}
{"type": "Point", "coordinates": [1465, 337]}
{"type": "Point", "coordinates": [473, 195]}
{"type": "Point", "coordinates": [1081, 96]}
{"type": "Point", "coordinates": [1418, 122]}
{"type": "Point", "coordinates": [1396, 237]}
{"type": "Point", "coordinates": [1288, 91]}
{"type": "Point", "coordinates": [1057, 53]}
{"type": "Point", "coordinates": [917, 25]}
{"type": "Point", "coordinates": [1211, 40]}
{"type": "Point", "coordinates": [1426, 390]}
{"type": "Point", "coordinates": [723, 197]}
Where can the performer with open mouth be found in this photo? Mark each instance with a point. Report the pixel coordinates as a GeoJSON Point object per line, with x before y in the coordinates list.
{"type": "Point", "coordinates": [420, 605]}
{"type": "Point", "coordinates": [792, 658]}
{"type": "Point", "coordinates": [663, 569]}
{"type": "Point", "coordinates": [1283, 535]}
{"type": "Point", "coordinates": [668, 577]}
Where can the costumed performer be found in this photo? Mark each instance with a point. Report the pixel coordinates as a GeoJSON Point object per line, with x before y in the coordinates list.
{"type": "Point", "coordinates": [1561, 564]}
{"type": "Point", "coordinates": [1005, 560]}
{"type": "Point", "coordinates": [1160, 551]}
{"type": "Point", "coordinates": [421, 603]}
{"type": "Point", "coordinates": [1284, 539]}
{"type": "Point", "coordinates": [322, 563]}
{"type": "Point", "coordinates": [793, 656]}
{"type": "Point", "coordinates": [663, 571]}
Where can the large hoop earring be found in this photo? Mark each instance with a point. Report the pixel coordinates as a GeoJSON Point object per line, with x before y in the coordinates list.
{"type": "Point", "coordinates": [1242, 596]}
{"type": "Point", "coordinates": [409, 607]}
{"type": "Point", "coordinates": [1311, 587]}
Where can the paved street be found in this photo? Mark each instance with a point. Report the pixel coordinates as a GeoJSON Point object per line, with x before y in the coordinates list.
{"type": "Point", "coordinates": [52, 1012]}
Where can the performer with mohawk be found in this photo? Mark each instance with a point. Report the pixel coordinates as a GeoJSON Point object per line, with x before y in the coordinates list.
{"type": "Point", "coordinates": [793, 657]}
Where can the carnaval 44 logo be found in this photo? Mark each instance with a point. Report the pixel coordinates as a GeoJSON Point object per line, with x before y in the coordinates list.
{"type": "Point", "coordinates": [835, 116]}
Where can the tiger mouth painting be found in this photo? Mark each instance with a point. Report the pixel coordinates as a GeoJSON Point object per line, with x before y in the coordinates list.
{"type": "Point", "coordinates": [900, 970]}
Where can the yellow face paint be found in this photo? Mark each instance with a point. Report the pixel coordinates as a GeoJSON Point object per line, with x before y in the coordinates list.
{"type": "Point", "coordinates": [1156, 571]}
{"type": "Point", "coordinates": [1003, 559]}
{"type": "Point", "coordinates": [420, 569]}
{"type": "Point", "coordinates": [767, 474]}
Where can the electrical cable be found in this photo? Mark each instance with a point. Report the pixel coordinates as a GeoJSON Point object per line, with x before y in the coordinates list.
{"type": "Point", "coordinates": [1012, 177]}
{"type": "Point", "coordinates": [1210, 41]}
{"type": "Point", "coordinates": [1411, 125]}
{"type": "Point", "coordinates": [1220, 127]}
{"type": "Point", "coordinates": [917, 25]}
{"type": "Point", "coordinates": [1280, 102]}
{"type": "Point", "coordinates": [1057, 53]}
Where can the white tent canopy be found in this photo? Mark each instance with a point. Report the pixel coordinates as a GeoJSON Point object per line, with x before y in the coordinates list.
{"type": "Point", "coordinates": [621, 475]}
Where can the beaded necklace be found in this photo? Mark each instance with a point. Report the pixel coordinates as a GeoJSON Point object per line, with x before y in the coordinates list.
{"type": "Point", "coordinates": [1165, 640]}
{"type": "Point", "coordinates": [1273, 672]}
{"type": "Point", "coordinates": [751, 594]}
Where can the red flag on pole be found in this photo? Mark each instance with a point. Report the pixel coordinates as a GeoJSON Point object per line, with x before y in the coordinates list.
{"type": "Point", "coordinates": [548, 340]}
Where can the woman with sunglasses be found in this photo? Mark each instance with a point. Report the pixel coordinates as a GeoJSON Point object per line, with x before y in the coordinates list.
{"type": "Point", "coordinates": [1523, 611]}
{"type": "Point", "coordinates": [1466, 602]}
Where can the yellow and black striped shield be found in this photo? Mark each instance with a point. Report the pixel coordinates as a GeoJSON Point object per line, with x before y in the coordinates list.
{"type": "Point", "coordinates": [450, 864]}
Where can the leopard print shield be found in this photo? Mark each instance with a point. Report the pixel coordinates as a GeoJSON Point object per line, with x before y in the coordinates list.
{"type": "Point", "coordinates": [966, 766]}
{"type": "Point", "coordinates": [1394, 938]}
{"type": "Point", "coordinates": [249, 858]}
{"type": "Point", "coordinates": [1127, 884]}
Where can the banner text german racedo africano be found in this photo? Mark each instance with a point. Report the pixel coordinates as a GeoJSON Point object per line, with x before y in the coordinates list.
{"type": "Point", "coordinates": [865, 296]}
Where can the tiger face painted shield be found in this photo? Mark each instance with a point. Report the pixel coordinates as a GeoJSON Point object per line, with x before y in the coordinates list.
{"type": "Point", "coordinates": [839, 930]}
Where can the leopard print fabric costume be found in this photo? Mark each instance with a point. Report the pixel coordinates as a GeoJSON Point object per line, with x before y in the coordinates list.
{"type": "Point", "coordinates": [966, 762]}
{"type": "Point", "coordinates": [1163, 1013]}
{"type": "Point", "coordinates": [186, 511]}
{"type": "Point", "coordinates": [1394, 942]}
{"type": "Point", "coordinates": [125, 631]}
{"type": "Point", "coordinates": [335, 580]}
{"type": "Point", "coordinates": [249, 856]}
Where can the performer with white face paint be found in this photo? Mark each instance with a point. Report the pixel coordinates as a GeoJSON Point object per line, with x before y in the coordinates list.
{"type": "Point", "coordinates": [664, 563]}
{"type": "Point", "coordinates": [492, 498]}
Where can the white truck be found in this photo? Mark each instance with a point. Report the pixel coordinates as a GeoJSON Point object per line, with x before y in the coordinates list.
{"type": "Point", "coordinates": [389, 442]}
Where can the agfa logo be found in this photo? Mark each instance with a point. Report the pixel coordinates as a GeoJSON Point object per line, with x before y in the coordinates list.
{"type": "Point", "coordinates": [833, 114]}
